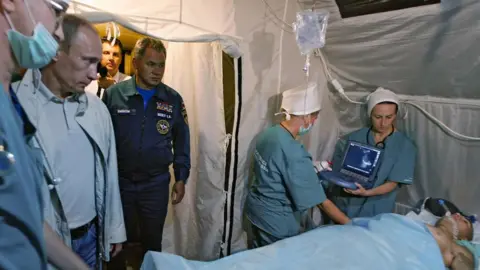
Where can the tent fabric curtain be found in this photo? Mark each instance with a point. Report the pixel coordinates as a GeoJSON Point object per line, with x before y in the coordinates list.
{"type": "Point", "coordinates": [194, 227]}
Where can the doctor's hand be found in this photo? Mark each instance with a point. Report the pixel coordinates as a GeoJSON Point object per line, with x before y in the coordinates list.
{"type": "Point", "coordinates": [321, 166]}
{"type": "Point", "coordinates": [178, 192]}
{"type": "Point", "coordinates": [359, 192]}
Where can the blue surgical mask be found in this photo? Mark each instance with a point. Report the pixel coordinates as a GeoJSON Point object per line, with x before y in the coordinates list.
{"type": "Point", "coordinates": [304, 130]}
{"type": "Point", "coordinates": [35, 51]}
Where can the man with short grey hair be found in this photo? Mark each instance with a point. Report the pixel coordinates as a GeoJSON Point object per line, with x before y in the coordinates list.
{"type": "Point", "coordinates": [75, 135]}
{"type": "Point", "coordinates": [151, 128]}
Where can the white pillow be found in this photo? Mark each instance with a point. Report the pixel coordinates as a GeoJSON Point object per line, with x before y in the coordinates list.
{"type": "Point", "coordinates": [476, 232]}
{"type": "Point", "coordinates": [425, 216]}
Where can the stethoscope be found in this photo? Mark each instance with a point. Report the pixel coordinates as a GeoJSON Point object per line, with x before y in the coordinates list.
{"type": "Point", "coordinates": [7, 160]}
{"type": "Point", "coordinates": [382, 143]}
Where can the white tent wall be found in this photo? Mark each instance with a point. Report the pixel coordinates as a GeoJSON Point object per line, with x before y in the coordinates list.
{"type": "Point", "coordinates": [194, 228]}
{"type": "Point", "coordinates": [196, 225]}
{"type": "Point", "coordinates": [426, 54]}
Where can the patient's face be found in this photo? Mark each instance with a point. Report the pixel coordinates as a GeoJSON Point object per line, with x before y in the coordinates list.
{"type": "Point", "coordinates": [465, 229]}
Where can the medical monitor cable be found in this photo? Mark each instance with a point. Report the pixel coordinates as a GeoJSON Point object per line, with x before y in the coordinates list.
{"type": "Point", "coordinates": [429, 116]}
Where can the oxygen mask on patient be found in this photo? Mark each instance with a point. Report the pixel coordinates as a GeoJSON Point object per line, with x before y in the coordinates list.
{"type": "Point", "coordinates": [449, 217]}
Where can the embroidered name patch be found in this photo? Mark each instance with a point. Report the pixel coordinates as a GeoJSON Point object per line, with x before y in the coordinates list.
{"type": "Point", "coordinates": [163, 106]}
{"type": "Point", "coordinates": [164, 115]}
{"type": "Point", "coordinates": [163, 127]}
{"type": "Point", "coordinates": [125, 112]}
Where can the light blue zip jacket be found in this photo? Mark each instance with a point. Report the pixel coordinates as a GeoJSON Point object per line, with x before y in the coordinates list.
{"type": "Point", "coordinates": [95, 119]}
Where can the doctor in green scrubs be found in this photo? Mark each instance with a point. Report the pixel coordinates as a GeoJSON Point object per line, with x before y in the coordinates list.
{"type": "Point", "coordinates": [285, 182]}
{"type": "Point", "coordinates": [397, 165]}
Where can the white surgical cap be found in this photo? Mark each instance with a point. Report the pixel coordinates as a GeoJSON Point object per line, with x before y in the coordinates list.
{"type": "Point", "coordinates": [380, 95]}
{"type": "Point", "coordinates": [302, 100]}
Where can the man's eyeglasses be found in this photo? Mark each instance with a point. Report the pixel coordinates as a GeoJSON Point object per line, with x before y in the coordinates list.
{"type": "Point", "coordinates": [59, 7]}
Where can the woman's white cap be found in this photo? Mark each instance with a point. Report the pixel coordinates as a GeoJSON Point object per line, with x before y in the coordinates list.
{"type": "Point", "coordinates": [380, 95]}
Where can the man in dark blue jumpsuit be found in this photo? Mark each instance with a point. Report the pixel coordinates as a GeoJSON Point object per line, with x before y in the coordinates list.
{"type": "Point", "coordinates": [149, 119]}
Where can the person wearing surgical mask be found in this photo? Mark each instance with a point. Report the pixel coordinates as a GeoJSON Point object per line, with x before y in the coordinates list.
{"type": "Point", "coordinates": [31, 30]}
{"type": "Point", "coordinates": [285, 182]}
{"type": "Point", "coordinates": [397, 163]}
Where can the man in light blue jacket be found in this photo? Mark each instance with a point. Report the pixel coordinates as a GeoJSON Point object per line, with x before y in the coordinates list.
{"type": "Point", "coordinates": [31, 33]}
{"type": "Point", "coordinates": [75, 136]}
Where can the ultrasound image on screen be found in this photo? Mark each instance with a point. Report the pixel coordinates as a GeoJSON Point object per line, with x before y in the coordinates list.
{"type": "Point", "coordinates": [360, 159]}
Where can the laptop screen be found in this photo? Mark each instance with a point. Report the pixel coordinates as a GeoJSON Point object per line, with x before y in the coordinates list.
{"type": "Point", "coordinates": [361, 159]}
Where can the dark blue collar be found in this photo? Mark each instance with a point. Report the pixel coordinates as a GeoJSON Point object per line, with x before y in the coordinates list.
{"type": "Point", "coordinates": [160, 90]}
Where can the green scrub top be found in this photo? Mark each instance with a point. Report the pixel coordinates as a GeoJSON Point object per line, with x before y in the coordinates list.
{"type": "Point", "coordinates": [285, 184]}
{"type": "Point", "coordinates": [22, 243]}
{"type": "Point", "coordinates": [397, 165]}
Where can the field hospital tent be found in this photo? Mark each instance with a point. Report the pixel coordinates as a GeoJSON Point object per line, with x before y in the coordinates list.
{"type": "Point", "coordinates": [427, 54]}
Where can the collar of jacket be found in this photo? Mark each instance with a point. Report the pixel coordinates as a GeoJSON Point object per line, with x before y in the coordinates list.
{"type": "Point", "coordinates": [160, 89]}
{"type": "Point", "coordinates": [32, 80]}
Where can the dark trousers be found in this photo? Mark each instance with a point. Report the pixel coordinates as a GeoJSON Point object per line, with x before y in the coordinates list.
{"type": "Point", "coordinates": [262, 238]}
{"type": "Point", "coordinates": [145, 205]}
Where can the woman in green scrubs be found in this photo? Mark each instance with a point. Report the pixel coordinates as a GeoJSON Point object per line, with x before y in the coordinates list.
{"type": "Point", "coordinates": [397, 165]}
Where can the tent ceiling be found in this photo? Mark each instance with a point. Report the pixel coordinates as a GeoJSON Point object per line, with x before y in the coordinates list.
{"type": "Point", "coordinates": [352, 8]}
{"type": "Point", "coordinates": [429, 50]}
{"type": "Point", "coordinates": [170, 20]}
{"type": "Point", "coordinates": [127, 36]}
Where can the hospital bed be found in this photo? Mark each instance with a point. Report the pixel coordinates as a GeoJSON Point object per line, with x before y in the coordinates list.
{"type": "Point", "coordinates": [386, 242]}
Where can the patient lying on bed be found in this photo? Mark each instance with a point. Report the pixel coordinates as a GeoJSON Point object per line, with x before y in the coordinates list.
{"type": "Point", "coordinates": [387, 241]}
{"type": "Point", "coordinates": [455, 256]}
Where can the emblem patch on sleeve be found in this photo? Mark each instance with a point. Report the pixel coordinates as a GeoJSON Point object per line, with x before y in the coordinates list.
{"type": "Point", "coordinates": [184, 113]}
{"type": "Point", "coordinates": [163, 126]}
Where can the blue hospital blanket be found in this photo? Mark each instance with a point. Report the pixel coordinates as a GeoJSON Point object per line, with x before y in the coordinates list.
{"type": "Point", "coordinates": [388, 241]}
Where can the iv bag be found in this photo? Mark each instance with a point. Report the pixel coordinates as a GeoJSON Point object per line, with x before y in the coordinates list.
{"type": "Point", "coordinates": [310, 29]}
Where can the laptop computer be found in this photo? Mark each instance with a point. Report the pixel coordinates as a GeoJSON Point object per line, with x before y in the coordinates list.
{"type": "Point", "coordinates": [360, 164]}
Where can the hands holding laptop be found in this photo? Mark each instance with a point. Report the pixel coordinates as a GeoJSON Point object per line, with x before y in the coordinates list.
{"type": "Point", "coordinates": [360, 191]}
